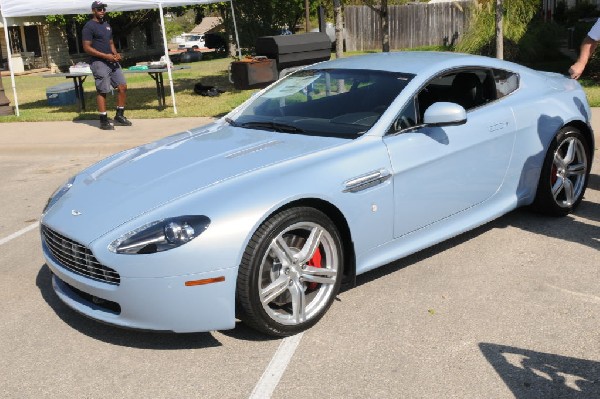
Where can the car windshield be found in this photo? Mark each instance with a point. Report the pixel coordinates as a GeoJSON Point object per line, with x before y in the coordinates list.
{"type": "Point", "coordinates": [341, 103]}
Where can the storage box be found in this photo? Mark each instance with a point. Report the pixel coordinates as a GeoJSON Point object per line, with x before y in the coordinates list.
{"type": "Point", "coordinates": [62, 94]}
{"type": "Point", "coordinates": [252, 74]}
{"type": "Point", "coordinates": [295, 50]}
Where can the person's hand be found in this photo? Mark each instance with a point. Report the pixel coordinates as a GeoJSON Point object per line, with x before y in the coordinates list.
{"type": "Point", "coordinates": [576, 70]}
{"type": "Point", "coordinates": [113, 57]}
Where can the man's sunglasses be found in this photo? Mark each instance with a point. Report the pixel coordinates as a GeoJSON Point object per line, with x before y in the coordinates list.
{"type": "Point", "coordinates": [100, 9]}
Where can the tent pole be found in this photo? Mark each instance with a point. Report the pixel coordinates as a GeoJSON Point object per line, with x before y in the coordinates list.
{"type": "Point", "coordinates": [10, 65]}
{"type": "Point", "coordinates": [237, 39]}
{"type": "Point", "coordinates": [164, 35]}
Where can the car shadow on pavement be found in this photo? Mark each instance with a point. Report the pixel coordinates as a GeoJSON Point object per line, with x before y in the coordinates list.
{"type": "Point", "coordinates": [115, 335]}
{"type": "Point", "coordinates": [531, 374]}
{"type": "Point", "coordinates": [572, 227]}
{"type": "Point", "coordinates": [417, 257]}
{"type": "Point", "coordinates": [594, 182]}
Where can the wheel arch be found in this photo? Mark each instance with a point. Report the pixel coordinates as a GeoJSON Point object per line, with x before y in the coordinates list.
{"type": "Point", "coordinates": [542, 202]}
{"type": "Point", "coordinates": [586, 130]}
{"type": "Point", "coordinates": [581, 126]}
{"type": "Point", "coordinates": [338, 218]}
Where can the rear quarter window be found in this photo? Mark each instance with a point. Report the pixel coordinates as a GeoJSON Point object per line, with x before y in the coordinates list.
{"type": "Point", "coordinates": [506, 82]}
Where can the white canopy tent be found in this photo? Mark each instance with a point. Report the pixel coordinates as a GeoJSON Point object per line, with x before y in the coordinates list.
{"type": "Point", "coordinates": [26, 8]}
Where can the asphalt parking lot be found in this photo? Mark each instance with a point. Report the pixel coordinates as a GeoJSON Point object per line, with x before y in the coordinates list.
{"type": "Point", "coordinates": [511, 309]}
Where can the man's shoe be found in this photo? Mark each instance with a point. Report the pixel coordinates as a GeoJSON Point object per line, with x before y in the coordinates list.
{"type": "Point", "coordinates": [105, 123]}
{"type": "Point", "coordinates": [120, 119]}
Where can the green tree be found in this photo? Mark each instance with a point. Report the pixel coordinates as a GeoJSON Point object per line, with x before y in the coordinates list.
{"type": "Point", "coordinates": [381, 8]}
{"type": "Point", "coordinates": [184, 19]}
{"type": "Point", "coordinates": [339, 28]}
{"type": "Point", "coordinates": [121, 22]}
{"type": "Point", "coordinates": [257, 18]}
{"type": "Point", "coordinates": [518, 16]}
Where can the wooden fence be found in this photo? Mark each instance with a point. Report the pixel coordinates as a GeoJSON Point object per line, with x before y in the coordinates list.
{"type": "Point", "coordinates": [411, 25]}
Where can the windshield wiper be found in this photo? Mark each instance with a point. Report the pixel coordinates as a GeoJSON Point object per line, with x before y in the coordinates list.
{"type": "Point", "coordinates": [232, 122]}
{"type": "Point", "coordinates": [278, 127]}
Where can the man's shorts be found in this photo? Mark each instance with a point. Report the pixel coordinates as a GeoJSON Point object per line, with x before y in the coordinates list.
{"type": "Point", "coordinates": [107, 75]}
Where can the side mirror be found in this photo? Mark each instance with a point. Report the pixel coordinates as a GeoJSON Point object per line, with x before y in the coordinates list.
{"type": "Point", "coordinates": [445, 114]}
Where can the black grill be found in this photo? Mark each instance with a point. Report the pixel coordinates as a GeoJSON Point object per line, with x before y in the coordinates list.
{"type": "Point", "coordinates": [108, 306]}
{"type": "Point", "coordinates": [295, 50]}
{"type": "Point", "coordinates": [78, 258]}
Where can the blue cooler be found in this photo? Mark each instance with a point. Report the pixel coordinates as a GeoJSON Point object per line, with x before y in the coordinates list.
{"type": "Point", "coordinates": [62, 94]}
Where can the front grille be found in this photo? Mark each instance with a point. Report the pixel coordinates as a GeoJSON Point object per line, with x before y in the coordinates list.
{"type": "Point", "coordinates": [78, 258]}
{"type": "Point", "coordinates": [104, 304]}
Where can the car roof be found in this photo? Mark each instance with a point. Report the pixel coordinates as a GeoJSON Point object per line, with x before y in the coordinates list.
{"type": "Point", "coordinates": [415, 62]}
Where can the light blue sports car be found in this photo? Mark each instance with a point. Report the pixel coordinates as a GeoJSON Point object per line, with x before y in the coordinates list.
{"type": "Point", "coordinates": [335, 170]}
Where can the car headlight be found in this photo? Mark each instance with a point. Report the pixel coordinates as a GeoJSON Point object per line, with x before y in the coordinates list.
{"type": "Point", "coordinates": [58, 194]}
{"type": "Point", "coordinates": [160, 235]}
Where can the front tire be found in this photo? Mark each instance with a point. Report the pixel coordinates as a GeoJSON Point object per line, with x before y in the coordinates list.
{"type": "Point", "coordinates": [564, 174]}
{"type": "Point", "coordinates": [290, 272]}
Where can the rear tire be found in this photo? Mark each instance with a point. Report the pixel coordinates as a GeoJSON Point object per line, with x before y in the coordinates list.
{"type": "Point", "coordinates": [564, 174]}
{"type": "Point", "coordinates": [290, 272]}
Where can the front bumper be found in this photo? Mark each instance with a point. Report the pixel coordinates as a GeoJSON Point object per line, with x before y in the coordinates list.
{"type": "Point", "coordinates": [161, 304]}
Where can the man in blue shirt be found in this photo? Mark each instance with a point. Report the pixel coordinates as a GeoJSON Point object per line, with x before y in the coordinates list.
{"type": "Point", "coordinates": [98, 43]}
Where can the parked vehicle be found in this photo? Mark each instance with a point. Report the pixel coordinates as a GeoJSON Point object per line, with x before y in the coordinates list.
{"type": "Point", "coordinates": [330, 172]}
{"type": "Point", "coordinates": [192, 41]}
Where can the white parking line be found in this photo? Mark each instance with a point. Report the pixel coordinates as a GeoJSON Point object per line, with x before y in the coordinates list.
{"type": "Point", "coordinates": [274, 371]}
{"type": "Point", "coordinates": [19, 233]}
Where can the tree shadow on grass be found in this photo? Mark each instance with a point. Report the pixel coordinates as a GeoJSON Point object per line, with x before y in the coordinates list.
{"type": "Point", "coordinates": [138, 98]}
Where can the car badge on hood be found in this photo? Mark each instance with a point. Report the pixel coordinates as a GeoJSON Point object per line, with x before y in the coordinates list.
{"type": "Point", "coordinates": [75, 212]}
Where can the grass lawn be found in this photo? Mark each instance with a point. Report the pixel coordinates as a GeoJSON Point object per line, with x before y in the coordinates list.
{"type": "Point", "coordinates": [141, 95]}
{"type": "Point", "coordinates": [142, 102]}
{"type": "Point", "coordinates": [592, 90]}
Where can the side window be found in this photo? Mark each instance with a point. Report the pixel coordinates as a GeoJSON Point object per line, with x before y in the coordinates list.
{"type": "Point", "coordinates": [438, 89]}
{"type": "Point", "coordinates": [470, 88]}
{"type": "Point", "coordinates": [506, 82]}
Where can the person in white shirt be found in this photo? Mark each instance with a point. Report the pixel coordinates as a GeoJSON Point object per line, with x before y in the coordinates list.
{"type": "Point", "coordinates": [588, 46]}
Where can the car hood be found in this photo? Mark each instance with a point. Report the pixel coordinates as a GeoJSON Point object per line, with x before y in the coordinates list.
{"type": "Point", "coordinates": [138, 180]}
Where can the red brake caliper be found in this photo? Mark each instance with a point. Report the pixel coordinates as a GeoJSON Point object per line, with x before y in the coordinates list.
{"type": "Point", "coordinates": [315, 261]}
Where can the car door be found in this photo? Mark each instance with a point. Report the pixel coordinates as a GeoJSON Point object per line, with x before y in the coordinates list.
{"type": "Point", "coordinates": [440, 171]}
